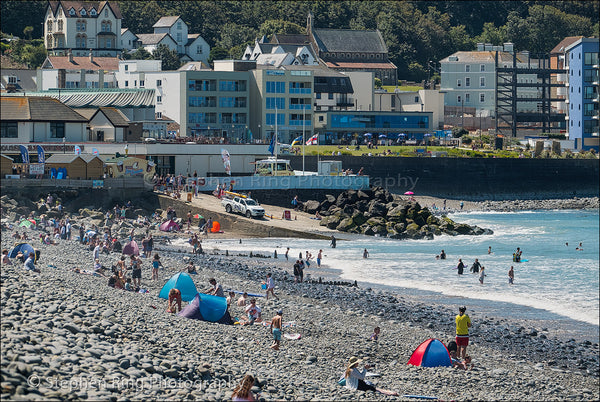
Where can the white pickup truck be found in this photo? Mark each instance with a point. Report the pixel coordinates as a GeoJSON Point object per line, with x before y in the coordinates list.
{"type": "Point", "coordinates": [244, 206]}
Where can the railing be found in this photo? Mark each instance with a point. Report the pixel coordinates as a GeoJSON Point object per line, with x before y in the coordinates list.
{"type": "Point", "coordinates": [125, 182]}
{"type": "Point", "coordinates": [300, 90]}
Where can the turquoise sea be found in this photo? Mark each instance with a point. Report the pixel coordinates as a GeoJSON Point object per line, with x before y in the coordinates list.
{"type": "Point", "coordinates": [557, 283]}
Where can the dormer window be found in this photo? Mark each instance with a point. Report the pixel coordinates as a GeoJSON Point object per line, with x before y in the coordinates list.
{"type": "Point", "coordinates": [72, 11]}
{"type": "Point", "coordinates": [83, 12]}
{"type": "Point", "coordinates": [93, 12]}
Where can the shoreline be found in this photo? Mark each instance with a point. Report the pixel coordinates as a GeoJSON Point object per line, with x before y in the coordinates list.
{"type": "Point", "coordinates": [526, 315]}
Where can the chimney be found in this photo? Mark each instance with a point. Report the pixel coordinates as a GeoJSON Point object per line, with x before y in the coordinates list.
{"type": "Point", "coordinates": [488, 47]}
{"type": "Point", "coordinates": [480, 47]}
{"type": "Point", "coordinates": [509, 47]}
{"type": "Point", "coordinates": [70, 56]}
{"type": "Point", "coordinates": [91, 56]}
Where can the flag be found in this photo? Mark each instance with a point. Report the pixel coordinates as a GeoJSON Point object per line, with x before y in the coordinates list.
{"type": "Point", "coordinates": [272, 145]}
{"type": "Point", "coordinates": [41, 154]}
{"type": "Point", "coordinates": [313, 140]}
{"type": "Point", "coordinates": [226, 160]}
{"type": "Point", "coordinates": [24, 154]}
{"type": "Point", "coordinates": [296, 141]}
{"type": "Point", "coordinates": [77, 150]}
{"type": "Point", "coordinates": [95, 151]}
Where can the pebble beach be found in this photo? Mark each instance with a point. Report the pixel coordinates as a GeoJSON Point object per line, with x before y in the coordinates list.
{"type": "Point", "coordinates": [67, 335]}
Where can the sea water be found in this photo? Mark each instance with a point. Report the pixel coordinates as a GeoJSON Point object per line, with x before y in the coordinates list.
{"type": "Point", "coordinates": [557, 281]}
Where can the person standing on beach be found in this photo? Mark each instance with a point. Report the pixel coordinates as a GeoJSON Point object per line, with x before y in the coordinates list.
{"type": "Point", "coordinates": [136, 271]}
{"type": "Point", "coordinates": [319, 258]}
{"type": "Point", "coordinates": [511, 275]}
{"type": "Point", "coordinates": [462, 204]}
{"type": "Point", "coordinates": [297, 271]}
{"type": "Point", "coordinates": [155, 264]}
{"type": "Point", "coordinates": [460, 267]}
{"type": "Point", "coordinates": [287, 252]}
{"type": "Point", "coordinates": [276, 329]}
{"type": "Point", "coordinates": [270, 286]}
{"type": "Point", "coordinates": [463, 323]}
{"type": "Point", "coordinates": [333, 241]}
{"type": "Point", "coordinates": [96, 252]}
{"type": "Point", "coordinates": [365, 254]}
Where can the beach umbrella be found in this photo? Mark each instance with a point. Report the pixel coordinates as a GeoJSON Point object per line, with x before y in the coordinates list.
{"type": "Point", "coordinates": [409, 193]}
{"type": "Point", "coordinates": [131, 248]}
{"type": "Point", "coordinates": [198, 216]}
{"type": "Point", "coordinates": [90, 233]}
{"type": "Point", "coordinates": [382, 136]}
{"type": "Point", "coordinates": [368, 134]}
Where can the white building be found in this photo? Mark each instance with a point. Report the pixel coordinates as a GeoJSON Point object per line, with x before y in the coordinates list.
{"type": "Point", "coordinates": [71, 72]}
{"type": "Point", "coordinates": [129, 40]}
{"type": "Point", "coordinates": [150, 42]}
{"type": "Point", "coordinates": [83, 25]}
{"type": "Point", "coordinates": [469, 78]}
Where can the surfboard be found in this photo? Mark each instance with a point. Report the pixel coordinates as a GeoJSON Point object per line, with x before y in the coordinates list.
{"type": "Point", "coordinates": [420, 396]}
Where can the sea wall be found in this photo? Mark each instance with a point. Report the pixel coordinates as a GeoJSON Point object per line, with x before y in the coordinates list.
{"type": "Point", "coordinates": [474, 178]}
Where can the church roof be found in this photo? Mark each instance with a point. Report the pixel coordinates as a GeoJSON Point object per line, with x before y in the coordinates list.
{"type": "Point", "coordinates": [346, 40]}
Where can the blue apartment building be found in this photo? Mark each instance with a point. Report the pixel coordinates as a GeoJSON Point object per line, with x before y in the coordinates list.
{"type": "Point", "coordinates": [583, 97]}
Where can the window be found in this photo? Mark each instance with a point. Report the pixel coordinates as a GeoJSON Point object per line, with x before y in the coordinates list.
{"type": "Point", "coordinates": [590, 126]}
{"type": "Point", "coordinates": [482, 81]}
{"type": "Point", "coordinates": [159, 99]}
{"type": "Point", "coordinates": [272, 103]}
{"type": "Point", "coordinates": [106, 12]}
{"type": "Point", "coordinates": [108, 43]}
{"type": "Point", "coordinates": [590, 92]}
{"type": "Point", "coordinates": [57, 130]}
{"type": "Point", "coordinates": [467, 98]}
{"type": "Point", "coordinates": [459, 83]}
{"type": "Point", "coordinates": [467, 68]}
{"type": "Point", "coordinates": [72, 11]}
{"type": "Point", "coordinates": [232, 86]}
{"type": "Point", "coordinates": [481, 98]}
{"type": "Point", "coordinates": [179, 25]}
{"type": "Point", "coordinates": [106, 26]}
{"type": "Point", "coordinates": [126, 83]}
{"type": "Point", "coordinates": [126, 67]}
{"type": "Point", "coordinates": [49, 25]}
{"type": "Point", "coordinates": [9, 129]}
{"type": "Point", "coordinates": [80, 41]}
{"type": "Point", "coordinates": [275, 87]}
{"type": "Point", "coordinates": [12, 79]}
{"type": "Point", "coordinates": [330, 95]}
{"type": "Point", "coordinates": [142, 83]}
{"type": "Point", "coordinates": [93, 12]}
{"type": "Point", "coordinates": [459, 99]}
{"type": "Point", "coordinates": [416, 99]}
{"type": "Point", "coordinates": [270, 118]}
{"type": "Point", "coordinates": [159, 83]}
{"type": "Point", "coordinates": [80, 26]}
{"type": "Point", "coordinates": [199, 49]}
{"type": "Point", "coordinates": [321, 118]}
{"type": "Point", "coordinates": [482, 68]}
{"type": "Point", "coordinates": [318, 95]}
{"type": "Point", "coordinates": [590, 59]}
{"type": "Point", "coordinates": [467, 82]}
{"type": "Point", "coordinates": [178, 36]}
{"type": "Point", "coordinates": [159, 115]}
{"type": "Point", "coordinates": [83, 12]}
{"type": "Point", "coordinates": [590, 75]}
{"type": "Point", "coordinates": [60, 25]}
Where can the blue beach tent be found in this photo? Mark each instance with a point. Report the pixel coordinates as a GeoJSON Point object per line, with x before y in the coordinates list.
{"type": "Point", "coordinates": [207, 308]}
{"type": "Point", "coordinates": [24, 248]}
{"type": "Point", "coordinates": [431, 353]}
{"type": "Point", "coordinates": [184, 283]}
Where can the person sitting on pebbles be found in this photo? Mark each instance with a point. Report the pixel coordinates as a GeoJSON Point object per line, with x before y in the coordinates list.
{"type": "Point", "coordinates": [243, 300]}
{"type": "Point", "coordinates": [5, 259]}
{"type": "Point", "coordinates": [29, 263]}
{"type": "Point", "coordinates": [355, 378]}
{"type": "Point", "coordinates": [254, 312]}
{"type": "Point", "coordinates": [243, 391]}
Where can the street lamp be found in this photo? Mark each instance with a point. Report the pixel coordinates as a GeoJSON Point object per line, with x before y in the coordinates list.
{"type": "Point", "coordinates": [64, 146]}
{"type": "Point", "coordinates": [259, 133]}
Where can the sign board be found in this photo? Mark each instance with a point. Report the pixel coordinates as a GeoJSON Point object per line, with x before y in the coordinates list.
{"type": "Point", "coordinates": [287, 214]}
{"type": "Point", "coordinates": [36, 168]}
{"type": "Point", "coordinates": [97, 183]}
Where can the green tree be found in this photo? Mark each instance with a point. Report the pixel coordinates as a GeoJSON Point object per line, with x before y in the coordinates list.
{"type": "Point", "coordinates": [416, 72]}
{"type": "Point", "coordinates": [170, 58]}
{"type": "Point", "coordinates": [377, 82]}
{"type": "Point", "coordinates": [27, 31]}
{"type": "Point", "coordinates": [233, 34]}
{"type": "Point", "coordinates": [270, 27]}
{"type": "Point", "coordinates": [140, 54]}
{"type": "Point", "coordinates": [492, 34]}
{"type": "Point", "coordinates": [217, 53]}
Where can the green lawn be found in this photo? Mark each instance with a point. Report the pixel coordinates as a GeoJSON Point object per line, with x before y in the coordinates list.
{"type": "Point", "coordinates": [392, 88]}
{"type": "Point", "coordinates": [401, 150]}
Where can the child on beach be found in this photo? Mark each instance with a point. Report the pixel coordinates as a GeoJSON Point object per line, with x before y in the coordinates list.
{"type": "Point", "coordinates": [254, 312]}
{"type": "Point", "coordinates": [270, 286]}
{"type": "Point", "coordinates": [174, 303]}
{"type": "Point", "coordinates": [276, 330]}
{"type": "Point", "coordinates": [5, 259]}
{"type": "Point", "coordinates": [482, 274]}
{"type": "Point", "coordinates": [155, 264]}
{"type": "Point", "coordinates": [511, 275]}
{"type": "Point", "coordinates": [242, 300]}
{"type": "Point", "coordinates": [375, 335]}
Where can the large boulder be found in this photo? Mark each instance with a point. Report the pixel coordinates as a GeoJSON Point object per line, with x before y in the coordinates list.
{"type": "Point", "coordinates": [376, 221]}
{"type": "Point", "coordinates": [311, 206]}
{"type": "Point", "coordinates": [463, 229]}
{"type": "Point", "coordinates": [333, 221]}
{"type": "Point", "coordinates": [358, 218]}
{"type": "Point", "coordinates": [327, 202]}
{"type": "Point", "coordinates": [352, 196]}
{"type": "Point", "coordinates": [397, 214]}
{"type": "Point", "coordinates": [362, 195]}
{"type": "Point", "coordinates": [377, 208]}
{"type": "Point", "coordinates": [362, 205]}
{"type": "Point", "coordinates": [433, 220]}
{"type": "Point", "coordinates": [345, 225]}
{"type": "Point", "coordinates": [342, 200]}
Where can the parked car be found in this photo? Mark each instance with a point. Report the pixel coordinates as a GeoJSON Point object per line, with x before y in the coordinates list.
{"type": "Point", "coordinates": [245, 206]}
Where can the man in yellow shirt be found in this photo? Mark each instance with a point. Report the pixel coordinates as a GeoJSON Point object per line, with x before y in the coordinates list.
{"type": "Point", "coordinates": [463, 323]}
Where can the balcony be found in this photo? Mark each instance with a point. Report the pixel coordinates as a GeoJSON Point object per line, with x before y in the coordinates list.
{"type": "Point", "coordinates": [561, 91]}
{"type": "Point", "coordinates": [300, 90]}
{"type": "Point", "coordinates": [299, 106]}
{"type": "Point", "coordinates": [561, 77]}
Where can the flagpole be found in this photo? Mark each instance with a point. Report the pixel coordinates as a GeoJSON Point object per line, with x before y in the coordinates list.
{"type": "Point", "coordinates": [275, 143]}
{"type": "Point", "coordinates": [303, 140]}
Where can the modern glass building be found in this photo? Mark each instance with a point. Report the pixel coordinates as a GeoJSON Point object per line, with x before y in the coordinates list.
{"type": "Point", "coordinates": [583, 97]}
